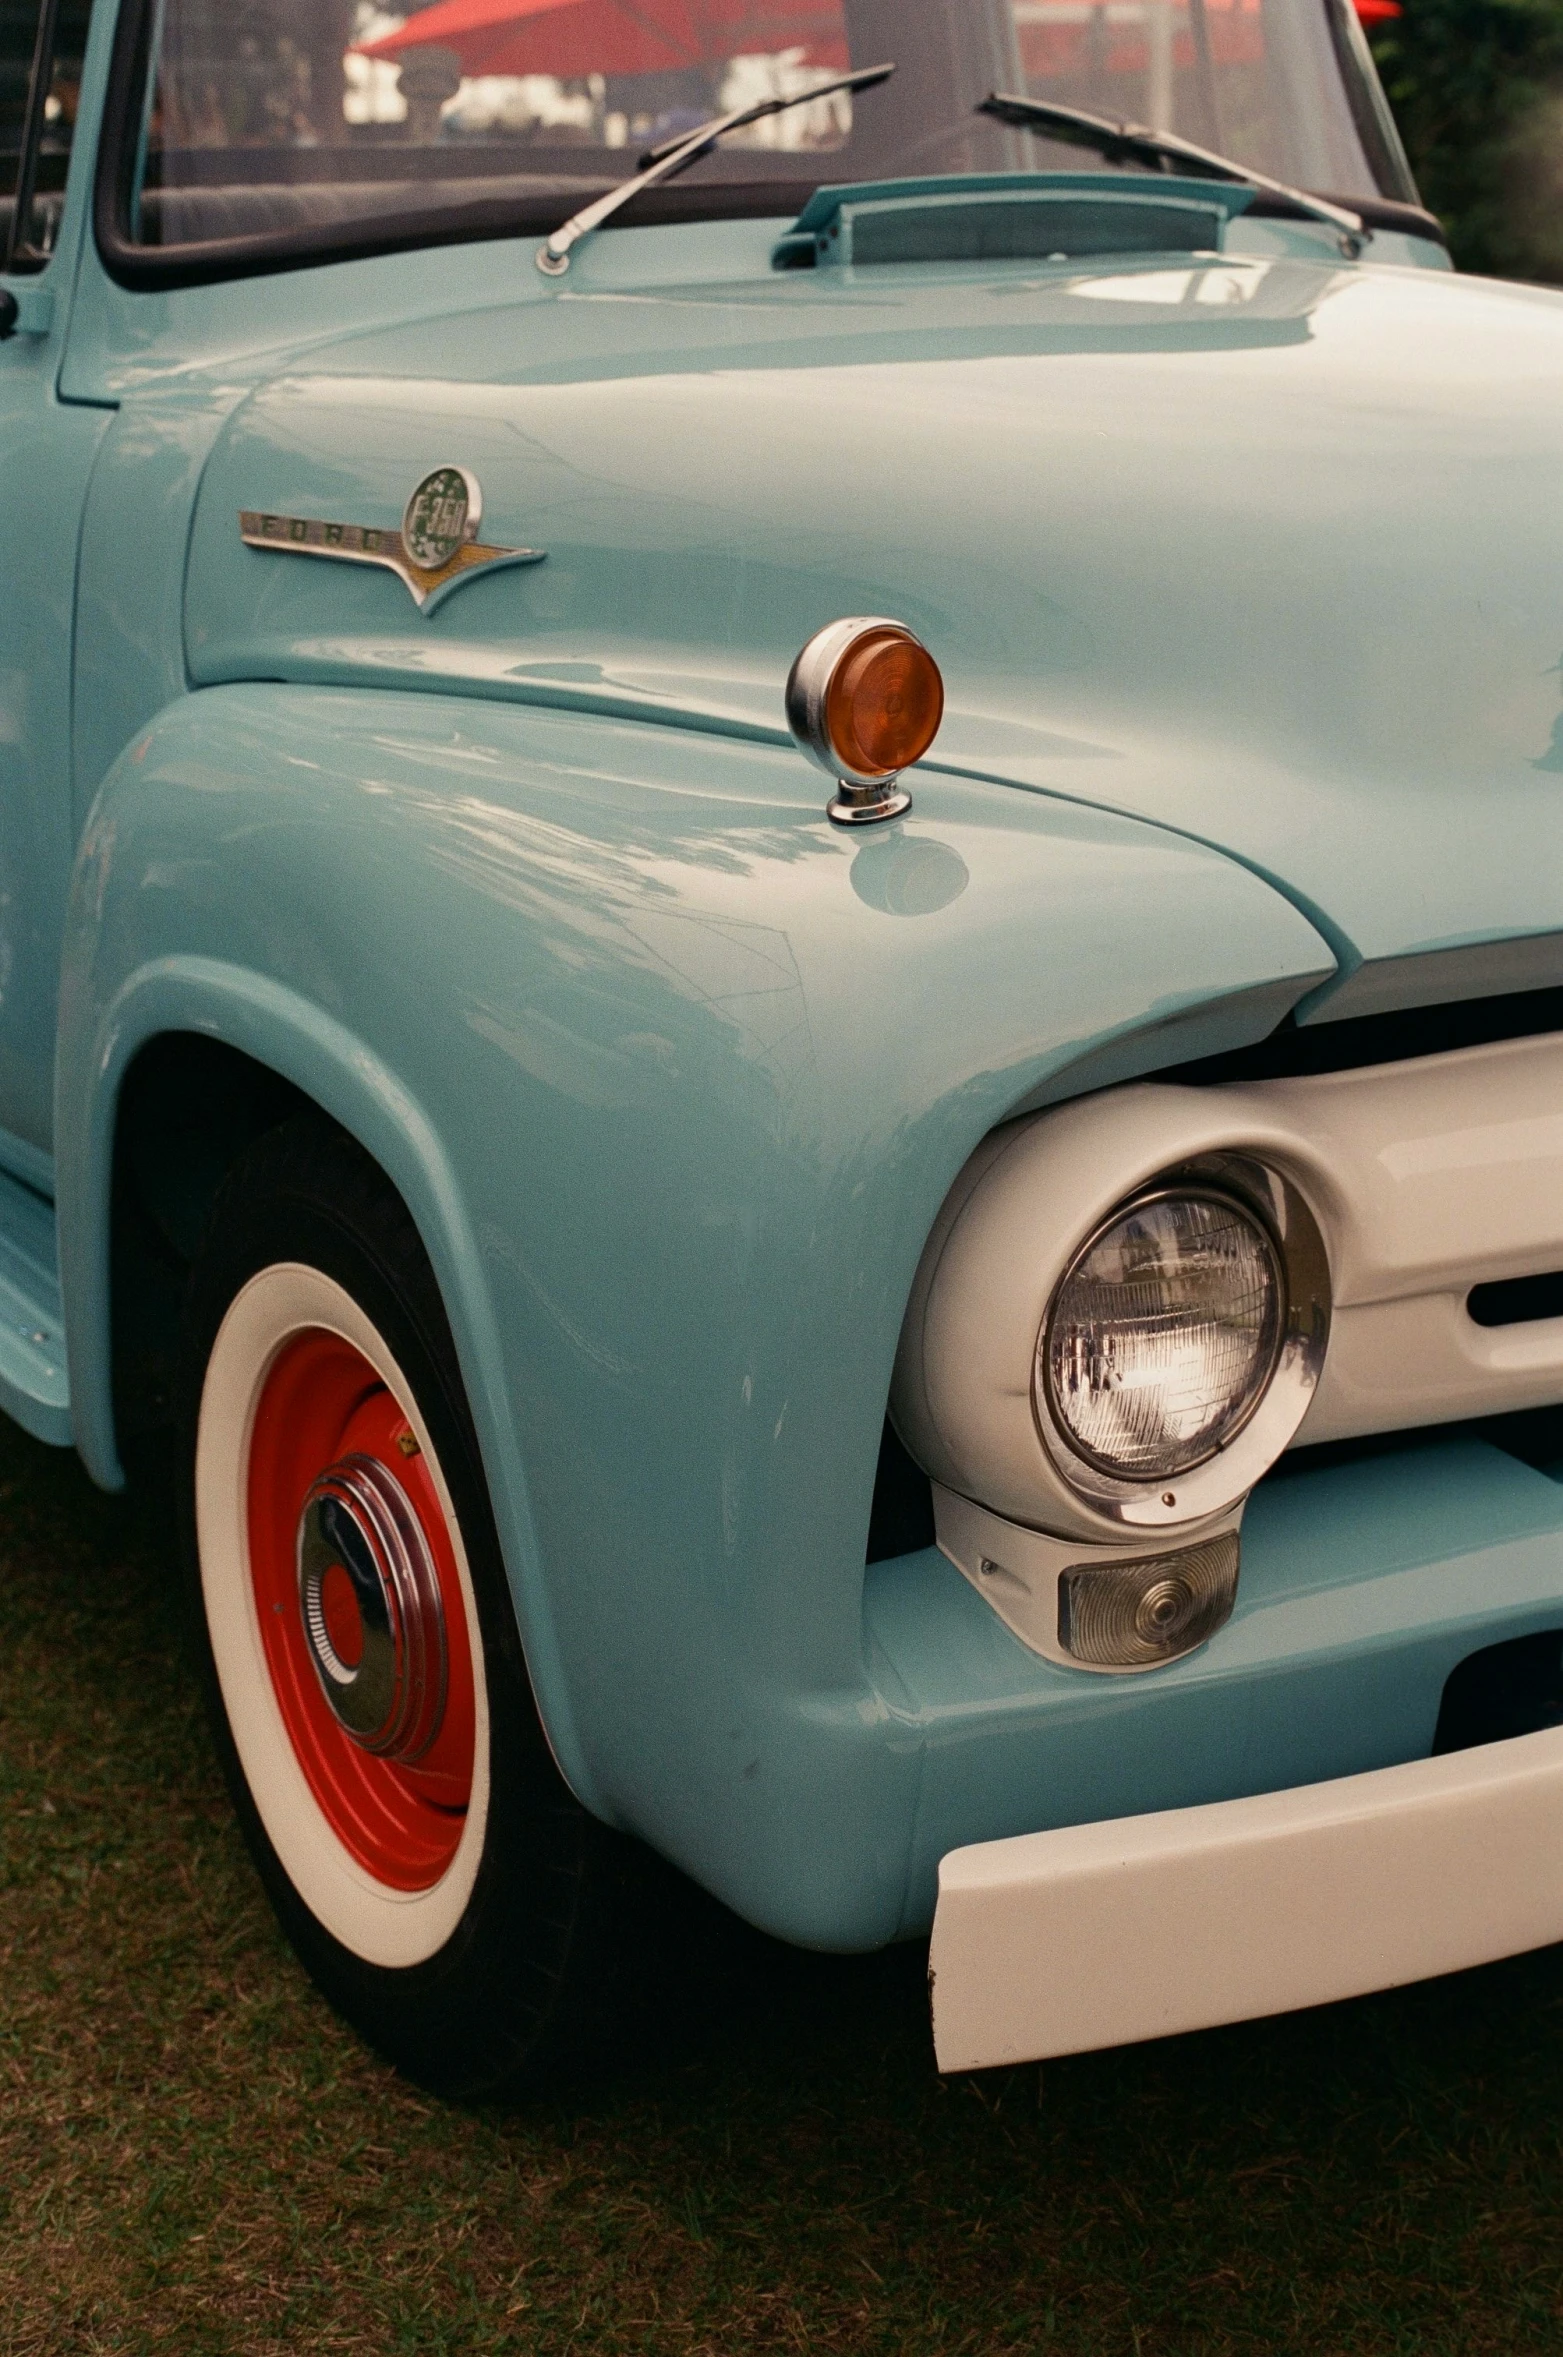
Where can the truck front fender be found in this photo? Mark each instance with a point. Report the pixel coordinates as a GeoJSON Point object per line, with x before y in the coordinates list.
{"type": "Point", "coordinates": [673, 1077]}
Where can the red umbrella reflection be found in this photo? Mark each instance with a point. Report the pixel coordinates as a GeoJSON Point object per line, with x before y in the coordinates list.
{"type": "Point", "coordinates": [572, 38]}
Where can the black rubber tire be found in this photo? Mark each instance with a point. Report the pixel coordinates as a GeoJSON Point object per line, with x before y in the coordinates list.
{"type": "Point", "coordinates": [526, 1987]}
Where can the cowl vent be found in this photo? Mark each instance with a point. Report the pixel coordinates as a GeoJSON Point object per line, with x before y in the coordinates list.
{"type": "Point", "coordinates": [1089, 216]}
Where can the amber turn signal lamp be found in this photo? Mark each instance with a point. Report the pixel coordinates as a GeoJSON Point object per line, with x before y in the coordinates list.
{"type": "Point", "coordinates": [865, 700]}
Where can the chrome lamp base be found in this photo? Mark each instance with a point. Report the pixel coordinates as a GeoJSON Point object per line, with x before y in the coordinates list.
{"type": "Point", "coordinates": [864, 806]}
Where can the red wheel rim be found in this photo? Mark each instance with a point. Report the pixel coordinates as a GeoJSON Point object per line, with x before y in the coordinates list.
{"type": "Point", "coordinates": [323, 1404]}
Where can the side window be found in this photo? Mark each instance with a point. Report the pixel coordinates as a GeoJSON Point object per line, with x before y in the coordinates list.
{"type": "Point", "coordinates": [41, 50]}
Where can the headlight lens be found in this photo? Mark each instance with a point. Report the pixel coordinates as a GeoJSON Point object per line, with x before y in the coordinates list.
{"type": "Point", "coordinates": [1164, 1334]}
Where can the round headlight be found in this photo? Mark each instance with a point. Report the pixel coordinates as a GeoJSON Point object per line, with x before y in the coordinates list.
{"type": "Point", "coordinates": [1163, 1335]}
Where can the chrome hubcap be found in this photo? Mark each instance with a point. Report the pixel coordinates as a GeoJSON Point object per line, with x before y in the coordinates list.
{"type": "Point", "coordinates": [370, 1597]}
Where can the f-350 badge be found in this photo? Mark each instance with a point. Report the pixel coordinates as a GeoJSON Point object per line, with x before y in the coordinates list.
{"type": "Point", "coordinates": [435, 552]}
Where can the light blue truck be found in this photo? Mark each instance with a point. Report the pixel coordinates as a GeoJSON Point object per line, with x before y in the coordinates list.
{"type": "Point", "coordinates": [781, 957]}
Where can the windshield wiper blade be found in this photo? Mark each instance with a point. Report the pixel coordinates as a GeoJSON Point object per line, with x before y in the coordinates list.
{"type": "Point", "coordinates": [676, 155]}
{"type": "Point", "coordinates": [1133, 143]}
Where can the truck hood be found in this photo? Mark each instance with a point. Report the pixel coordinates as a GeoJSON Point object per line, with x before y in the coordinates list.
{"type": "Point", "coordinates": [1267, 552]}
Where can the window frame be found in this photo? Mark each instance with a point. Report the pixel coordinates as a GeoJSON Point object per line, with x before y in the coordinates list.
{"type": "Point", "coordinates": [1377, 130]}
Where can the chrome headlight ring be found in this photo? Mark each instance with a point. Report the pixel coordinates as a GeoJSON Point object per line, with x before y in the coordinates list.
{"type": "Point", "coordinates": [1215, 1483]}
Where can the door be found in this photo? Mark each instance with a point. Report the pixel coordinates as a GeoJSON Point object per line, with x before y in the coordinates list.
{"type": "Point", "coordinates": [47, 449]}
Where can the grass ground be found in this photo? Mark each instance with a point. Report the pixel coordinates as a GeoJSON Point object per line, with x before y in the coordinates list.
{"type": "Point", "coordinates": [195, 2157]}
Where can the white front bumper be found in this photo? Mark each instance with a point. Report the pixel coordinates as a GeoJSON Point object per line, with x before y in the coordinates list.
{"type": "Point", "coordinates": [1099, 1935]}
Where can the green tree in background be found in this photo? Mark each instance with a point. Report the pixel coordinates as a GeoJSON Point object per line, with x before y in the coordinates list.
{"type": "Point", "coordinates": [1477, 89]}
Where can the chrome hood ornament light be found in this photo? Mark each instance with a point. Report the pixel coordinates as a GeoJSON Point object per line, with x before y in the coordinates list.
{"type": "Point", "coordinates": [864, 702]}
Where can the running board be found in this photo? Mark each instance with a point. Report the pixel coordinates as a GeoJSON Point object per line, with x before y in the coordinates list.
{"type": "Point", "coordinates": [34, 1387]}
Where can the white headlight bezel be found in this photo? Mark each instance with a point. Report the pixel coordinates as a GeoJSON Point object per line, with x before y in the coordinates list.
{"type": "Point", "coordinates": [1010, 1227]}
{"type": "Point", "coordinates": [1281, 1212]}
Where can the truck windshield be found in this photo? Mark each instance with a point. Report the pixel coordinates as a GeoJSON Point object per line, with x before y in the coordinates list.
{"type": "Point", "coordinates": [312, 126]}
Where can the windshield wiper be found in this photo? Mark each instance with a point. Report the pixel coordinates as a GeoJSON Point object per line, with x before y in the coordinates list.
{"type": "Point", "coordinates": [676, 155]}
{"type": "Point", "coordinates": [1133, 143]}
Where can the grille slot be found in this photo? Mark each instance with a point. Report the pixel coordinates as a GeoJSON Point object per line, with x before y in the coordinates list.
{"type": "Point", "coordinates": [1517, 1301]}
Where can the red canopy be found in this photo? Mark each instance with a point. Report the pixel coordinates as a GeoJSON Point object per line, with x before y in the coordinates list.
{"type": "Point", "coordinates": [571, 38]}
